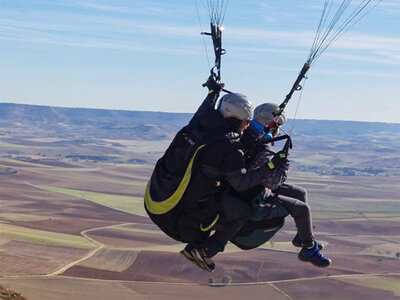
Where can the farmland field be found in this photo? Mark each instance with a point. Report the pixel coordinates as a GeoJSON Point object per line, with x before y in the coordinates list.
{"type": "Point", "coordinates": [76, 229]}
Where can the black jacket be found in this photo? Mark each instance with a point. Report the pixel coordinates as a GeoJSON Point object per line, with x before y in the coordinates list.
{"type": "Point", "coordinates": [257, 153]}
{"type": "Point", "coordinates": [216, 154]}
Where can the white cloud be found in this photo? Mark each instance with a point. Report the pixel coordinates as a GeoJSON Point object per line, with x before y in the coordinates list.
{"type": "Point", "coordinates": [352, 41]}
{"type": "Point", "coordinates": [269, 19]}
{"type": "Point", "coordinates": [388, 59]}
{"type": "Point", "coordinates": [57, 35]}
{"type": "Point", "coordinates": [365, 42]}
{"type": "Point", "coordinates": [97, 26]}
{"type": "Point", "coordinates": [390, 4]}
{"type": "Point", "coordinates": [271, 37]}
{"type": "Point", "coordinates": [265, 5]}
{"type": "Point", "coordinates": [110, 33]}
{"type": "Point", "coordinates": [100, 44]}
{"type": "Point", "coordinates": [144, 9]}
{"type": "Point", "coordinates": [100, 31]}
{"type": "Point", "coordinates": [358, 73]}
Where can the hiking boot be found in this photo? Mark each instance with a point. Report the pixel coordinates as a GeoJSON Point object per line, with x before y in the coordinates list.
{"type": "Point", "coordinates": [297, 243]}
{"type": "Point", "coordinates": [197, 256]}
{"type": "Point", "coordinates": [314, 256]}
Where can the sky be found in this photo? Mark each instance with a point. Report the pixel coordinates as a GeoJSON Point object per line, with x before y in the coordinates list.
{"type": "Point", "coordinates": [149, 55]}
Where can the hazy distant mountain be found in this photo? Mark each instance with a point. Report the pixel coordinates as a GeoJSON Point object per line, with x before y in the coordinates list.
{"type": "Point", "coordinates": [323, 147]}
{"type": "Point", "coordinates": [95, 122]}
{"type": "Point", "coordinates": [155, 125]}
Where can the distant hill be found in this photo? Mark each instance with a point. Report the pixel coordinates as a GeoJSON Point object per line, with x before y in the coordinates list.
{"type": "Point", "coordinates": [156, 125]}
{"type": "Point", "coordinates": [101, 123]}
{"type": "Point", "coordinates": [343, 129]}
{"type": "Point", "coordinates": [320, 146]}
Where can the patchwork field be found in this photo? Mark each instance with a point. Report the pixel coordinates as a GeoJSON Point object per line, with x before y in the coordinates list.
{"type": "Point", "coordinates": [76, 229]}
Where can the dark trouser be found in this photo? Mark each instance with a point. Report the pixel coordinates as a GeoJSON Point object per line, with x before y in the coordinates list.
{"type": "Point", "coordinates": [234, 214]}
{"type": "Point", "coordinates": [294, 199]}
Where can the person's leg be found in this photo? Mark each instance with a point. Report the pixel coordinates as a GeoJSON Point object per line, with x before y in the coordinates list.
{"type": "Point", "coordinates": [190, 230]}
{"type": "Point", "coordinates": [235, 213]}
{"type": "Point", "coordinates": [301, 213]}
{"type": "Point", "coordinates": [299, 193]}
{"type": "Point", "coordinates": [293, 191]}
{"type": "Point", "coordinates": [201, 253]}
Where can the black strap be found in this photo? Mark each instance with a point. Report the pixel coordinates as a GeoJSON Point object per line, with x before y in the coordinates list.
{"type": "Point", "coordinates": [216, 35]}
{"type": "Point", "coordinates": [296, 87]}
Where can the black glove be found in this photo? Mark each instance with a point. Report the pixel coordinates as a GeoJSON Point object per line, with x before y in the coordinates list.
{"type": "Point", "coordinates": [280, 159]}
{"type": "Point", "coordinates": [213, 85]}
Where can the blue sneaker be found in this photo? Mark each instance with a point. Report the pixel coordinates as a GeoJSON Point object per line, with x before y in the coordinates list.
{"type": "Point", "coordinates": [314, 256]}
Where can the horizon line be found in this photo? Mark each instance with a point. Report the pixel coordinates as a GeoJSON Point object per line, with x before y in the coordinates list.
{"type": "Point", "coordinates": [185, 113]}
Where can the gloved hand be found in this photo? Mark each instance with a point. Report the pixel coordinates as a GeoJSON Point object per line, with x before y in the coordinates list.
{"type": "Point", "coordinates": [279, 159]}
{"type": "Point", "coordinates": [212, 85]}
{"type": "Point", "coordinates": [278, 177]}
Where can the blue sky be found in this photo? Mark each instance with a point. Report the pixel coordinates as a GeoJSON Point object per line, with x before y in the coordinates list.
{"type": "Point", "coordinates": [149, 55]}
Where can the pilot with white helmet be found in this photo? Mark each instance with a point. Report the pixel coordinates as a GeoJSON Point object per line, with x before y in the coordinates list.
{"type": "Point", "coordinates": [186, 195]}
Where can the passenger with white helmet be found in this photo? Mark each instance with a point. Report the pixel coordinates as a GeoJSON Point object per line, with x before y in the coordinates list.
{"type": "Point", "coordinates": [265, 114]}
{"type": "Point", "coordinates": [186, 195]}
{"type": "Point", "coordinates": [292, 198]}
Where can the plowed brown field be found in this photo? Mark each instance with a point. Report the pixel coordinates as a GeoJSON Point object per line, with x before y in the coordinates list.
{"type": "Point", "coordinates": [138, 261]}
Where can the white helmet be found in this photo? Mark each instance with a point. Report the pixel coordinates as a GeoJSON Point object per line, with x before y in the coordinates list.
{"type": "Point", "coordinates": [264, 114]}
{"type": "Point", "coordinates": [235, 105]}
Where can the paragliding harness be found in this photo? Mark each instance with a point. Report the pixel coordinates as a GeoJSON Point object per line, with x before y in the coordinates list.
{"type": "Point", "coordinates": [182, 152]}
{"type": "Point", "coordinates": [266, 220]}
{"type": "Point", "coordinates": [164, 198]}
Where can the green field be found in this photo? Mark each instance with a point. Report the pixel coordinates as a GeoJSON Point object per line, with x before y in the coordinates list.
{"type": "Point", "coordinates": [21, 234]}
{"type": "Point", "coordinates": [324, 202]}
{"type": "Point", "coordinates": [24, 217]}
{"type": "Point", "coordinates": [8, 145]}
{"type": "Point", "coordinates": [376, 282]}
{"type": "Point", "coordinates": [128, 182]}
{"type": "Point", "coordinates": [132, 205]}
{"type": "Point", "coordinates": [23, 163]}
{"type": "Point", "coordinates": [124, 228]}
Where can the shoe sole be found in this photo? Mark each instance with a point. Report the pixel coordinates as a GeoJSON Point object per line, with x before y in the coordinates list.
{"type": "Point", "coordinates": [195, 261]}
{"type": "Point", "coordinates": [304, 259]}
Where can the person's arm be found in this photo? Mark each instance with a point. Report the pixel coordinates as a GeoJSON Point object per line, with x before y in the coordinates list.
{"type": "Point", "coordinates": [277, 178]}
{"type": "Point", "coordinates": [241, 179]}
{"type": "Point", "coordinates": [236, 174]}
{"type": "Point", "coordinates": [280, 172]}
{"type": "Point", "coordinates": [208, 104]}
